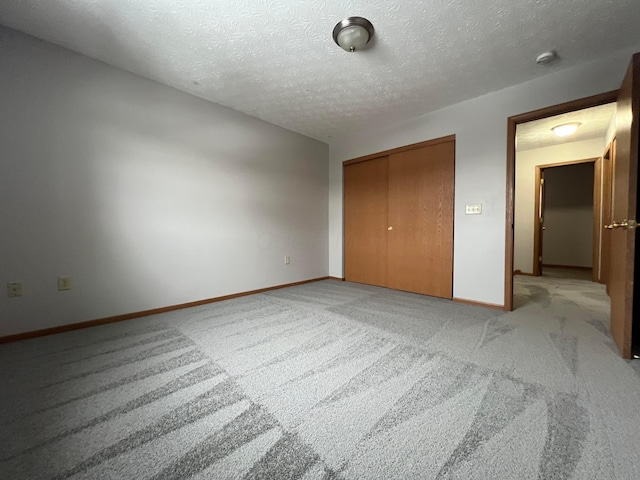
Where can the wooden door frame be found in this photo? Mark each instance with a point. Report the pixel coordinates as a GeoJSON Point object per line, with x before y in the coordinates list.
{"type": "Point", "coordinates": [405, 148]}
{"type": "Point", "coordinates": [537, 239]}
{"type": "Point", "coordinates": [512, 122]}
{"type": "Point", "coordinates": [605, 216]}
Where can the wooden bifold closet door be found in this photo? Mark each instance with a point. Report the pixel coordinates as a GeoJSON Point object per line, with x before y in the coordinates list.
{"type": "Point", "coordinates": [365, 217]}
{"type": "Point", "coordinates": [399, 220]}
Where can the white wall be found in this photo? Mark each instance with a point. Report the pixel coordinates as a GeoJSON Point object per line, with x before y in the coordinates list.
{"type": "Point", "coordinates": [611, 131]}
{"type": "Point", "coordinates": [146, 196]}
{"type": "Point", "coordinates": [480, 125]}
{"type": "Point", "coordinates": [525, 199]}
{"type": "Point", "coordinates": [568, 216]}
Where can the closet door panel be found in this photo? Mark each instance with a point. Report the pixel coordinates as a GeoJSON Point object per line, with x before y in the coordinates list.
{"type": "Point", "coordinates": [365, 221]}
{"type": "Point", "coordinates": [420, 244]}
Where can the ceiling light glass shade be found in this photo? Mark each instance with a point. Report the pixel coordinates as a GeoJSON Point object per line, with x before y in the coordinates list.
{"type": "Point", "coordinates": [353, 38]}
{"type": "Point", "coordinates": [353, 33]}
{"type": "Point", "coordinates": [566, 129]}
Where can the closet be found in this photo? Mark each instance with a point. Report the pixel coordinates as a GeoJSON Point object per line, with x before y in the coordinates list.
{"type": "Point", "coordinates": [398, 218]}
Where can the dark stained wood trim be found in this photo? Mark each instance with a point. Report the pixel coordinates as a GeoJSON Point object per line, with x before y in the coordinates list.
{"type": "Point", "coordinates": [606, 213]}
{"type": "Point", "coordinates": [537, 247]}
{"type": "Point", "coordinates": [566, 267]}
{"type": "Point", "coordinates": [510, 215]}
{"type": "Point", "coordinates": [570, 162]}
{"type": "Point", "coordinates": [413, 146]}
{"type": "Point", "coordinates": [512, 122]}
{"type": "Point", "coordinates": [597, 219]}
{"type": "Point", "coordinates": [478, 304]}
{"type": "Point", "coordinates": [144, 313]}
{"type": "Point", "coordinates": [572, 106]}
{"type": "Point", "coordinates": [339, 279]}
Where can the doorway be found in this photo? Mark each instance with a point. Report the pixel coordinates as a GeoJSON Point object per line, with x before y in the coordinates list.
{"type": "Point", "coordinates": [567, 219]}
{"type": "Point", "coordinates": [624, 261]}
{"type": "Point", "coordinates": [563, 172]}
{"type": "Point", "coordinates": [513, 124]}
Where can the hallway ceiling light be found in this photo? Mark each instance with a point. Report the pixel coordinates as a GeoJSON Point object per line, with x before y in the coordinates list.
{"type": "Point", "coordinates": [566, 129]}
{"type": "Point", "coordinates": [353, 33]}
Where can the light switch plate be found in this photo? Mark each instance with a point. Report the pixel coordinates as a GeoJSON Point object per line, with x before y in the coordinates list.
{"type": "Point", "coordinates": [473, 209]}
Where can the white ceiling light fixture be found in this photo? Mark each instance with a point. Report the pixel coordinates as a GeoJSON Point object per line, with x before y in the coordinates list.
{"type": "Point", "coordinates": [353, 33]}
{"type": "Point", "coordinates": [566, 129]}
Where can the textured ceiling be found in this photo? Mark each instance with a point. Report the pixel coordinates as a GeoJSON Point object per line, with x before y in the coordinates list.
{"type": "Point", "coordinates": [537, 134]}
{"type": "Point", "coordinates": [276, 60]}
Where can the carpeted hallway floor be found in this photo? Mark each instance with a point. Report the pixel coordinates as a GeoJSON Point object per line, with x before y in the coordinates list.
{"type": "Point", "coordinates": [330, 380]}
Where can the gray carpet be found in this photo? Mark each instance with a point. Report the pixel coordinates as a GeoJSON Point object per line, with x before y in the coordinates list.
{"type": "Point", "coordinates": [330, 380]}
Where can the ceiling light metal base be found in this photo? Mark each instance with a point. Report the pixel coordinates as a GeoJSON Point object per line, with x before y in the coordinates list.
{"type": "Point", "coordinates": [347, 23]}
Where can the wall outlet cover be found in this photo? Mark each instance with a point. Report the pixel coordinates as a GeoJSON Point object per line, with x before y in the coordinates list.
{"type": "Point", "coordinates": [14, 289]}
{"type": "Point", "coordinates": [64, 282]}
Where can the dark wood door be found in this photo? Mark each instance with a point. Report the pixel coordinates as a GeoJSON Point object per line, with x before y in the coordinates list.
{"type": "Point", "coordinates": [541, 199]}
{"type": "Point", "coordinates": [420, 248]}
{"type": "Point", "coordinates": [365, 218]}
{"type": "Point", "coordinates": [624, 206]}
{"type": "Point", "coordinates": [607, 169]}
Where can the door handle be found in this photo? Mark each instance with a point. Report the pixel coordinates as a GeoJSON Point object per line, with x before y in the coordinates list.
{"type": "Point", "coordinates": [630, 224]}
{"type": "Point", "coordinates": [389, 228]}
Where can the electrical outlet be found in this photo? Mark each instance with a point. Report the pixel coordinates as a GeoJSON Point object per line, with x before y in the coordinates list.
{"type": "Point", "coordinates": [14, 289]}
{"type": "Point", "coordinates": [64, 282]}
{"type": "Point", "coordinates": [287, 260]}
{"type": "Point", "coordinates": [473, 209]}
